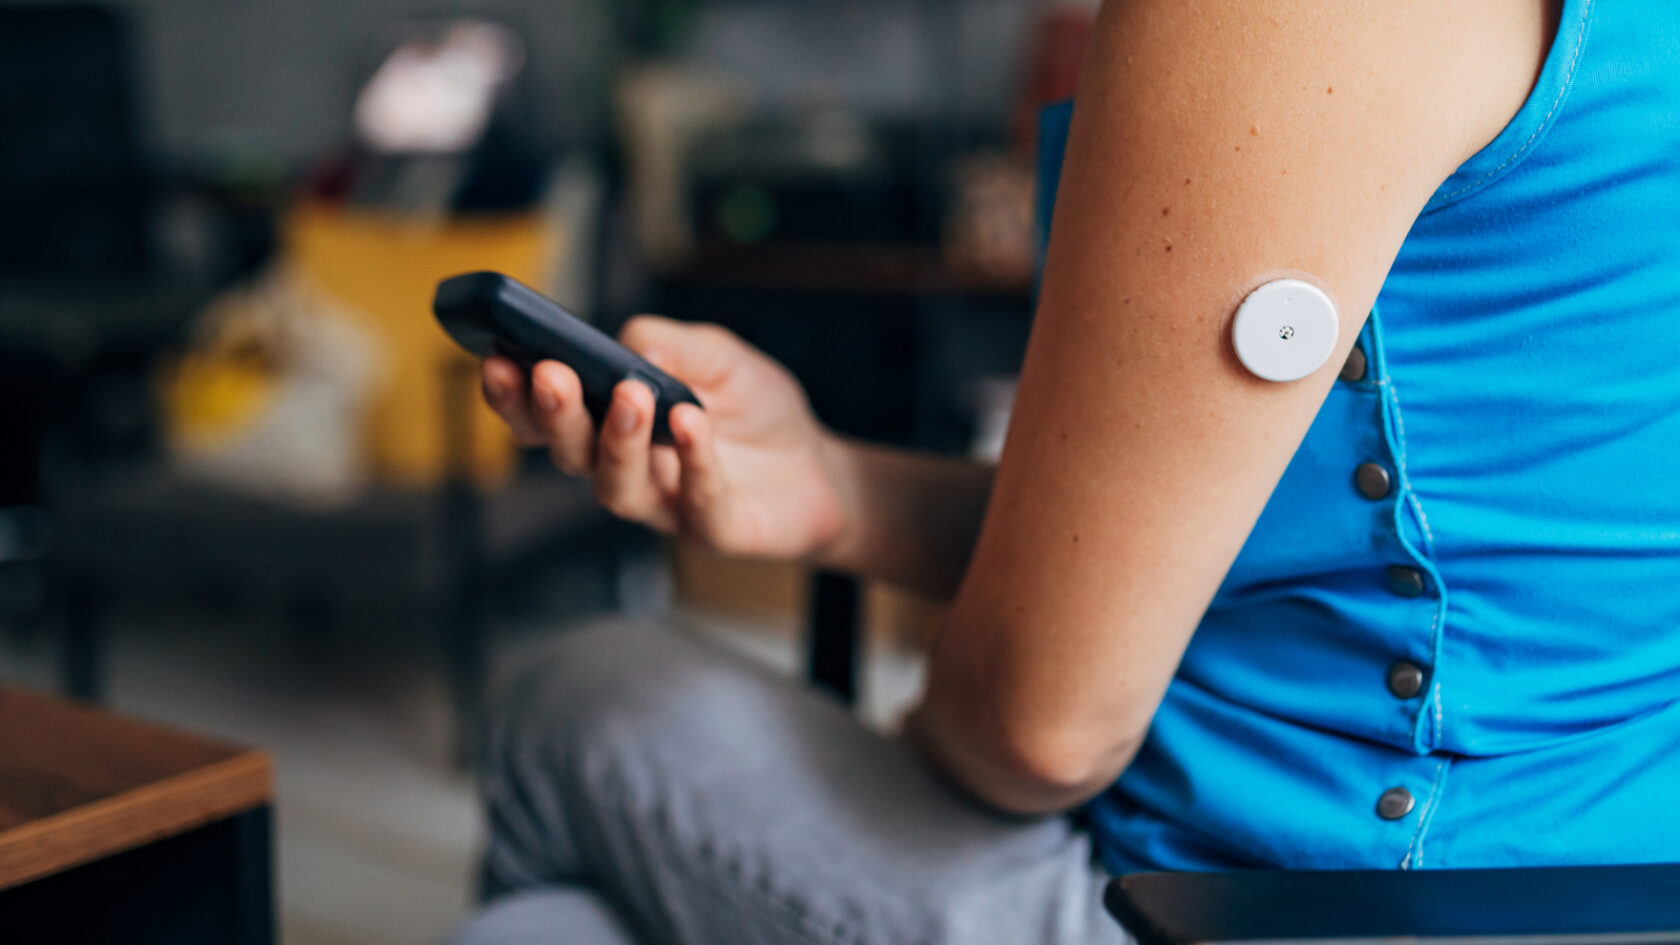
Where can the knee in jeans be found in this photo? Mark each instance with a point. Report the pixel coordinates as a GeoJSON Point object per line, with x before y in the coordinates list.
{"type": "Point", "coordinates": [557, 759]}
{"type": "Point", "coordinates": [601, 694]}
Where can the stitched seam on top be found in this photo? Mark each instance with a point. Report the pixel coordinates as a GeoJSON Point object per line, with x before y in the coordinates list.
{"type": "Point", "coordinates": [1423, 517]}
{"type": "Point", "coordinates": [1434, 708]}
{"type": "Point", "coordinates": [1414, 854]}
{"type": "Point", "coordinates": [1437, 620]}
{"type": "Point", "coordinates": [1409, 495]}
{"type": "Point", "coordinates": [1545, 122]}
{"type": "Point", "coordinates": [1435, 695]}
{"type": "Point", "coordinates": [1428, 724]}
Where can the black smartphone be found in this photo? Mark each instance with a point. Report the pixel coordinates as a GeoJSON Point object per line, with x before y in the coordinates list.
{"type": "Point", "coordinates": [488, 313]}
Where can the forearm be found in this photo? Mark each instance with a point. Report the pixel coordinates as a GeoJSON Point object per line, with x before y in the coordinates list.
{"type": "Point", "coordinates": [912, 518]}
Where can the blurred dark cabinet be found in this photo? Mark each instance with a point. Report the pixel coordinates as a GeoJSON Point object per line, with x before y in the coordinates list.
{"type": "Point", "coordinates": [72, 191]}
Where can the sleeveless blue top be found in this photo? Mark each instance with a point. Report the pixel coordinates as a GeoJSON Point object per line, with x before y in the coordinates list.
{"type": "Point", "coordinates": [1480, 666]}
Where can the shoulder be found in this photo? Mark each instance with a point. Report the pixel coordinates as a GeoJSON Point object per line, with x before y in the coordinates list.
{"type": "Point", "coordinates": [1460, 70]}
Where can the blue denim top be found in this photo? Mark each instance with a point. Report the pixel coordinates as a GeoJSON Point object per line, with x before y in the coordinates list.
{"type": "Point", "coordinates": [1522, 391]}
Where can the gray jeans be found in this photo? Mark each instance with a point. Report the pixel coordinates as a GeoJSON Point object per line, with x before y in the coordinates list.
{"type": "Point", "coordinates": [645, 787]}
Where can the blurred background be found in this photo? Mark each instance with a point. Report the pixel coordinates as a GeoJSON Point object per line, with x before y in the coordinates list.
{"type": "Point", "coordinates": [246, 485]}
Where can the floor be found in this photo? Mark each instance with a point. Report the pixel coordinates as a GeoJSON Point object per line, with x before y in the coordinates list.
{"type": "Point", "coordinates": [376, 830]}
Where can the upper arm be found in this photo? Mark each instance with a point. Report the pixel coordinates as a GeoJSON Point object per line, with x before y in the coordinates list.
{"type": "Point", "coordinates": [1213, 144]}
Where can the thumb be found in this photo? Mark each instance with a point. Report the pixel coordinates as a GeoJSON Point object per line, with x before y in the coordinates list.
{"type": "Point", "coordinates": [694, 353]}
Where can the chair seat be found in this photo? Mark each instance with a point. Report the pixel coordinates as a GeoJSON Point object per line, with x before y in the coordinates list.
{"type": "Point", "coordinates": [1577, 905]}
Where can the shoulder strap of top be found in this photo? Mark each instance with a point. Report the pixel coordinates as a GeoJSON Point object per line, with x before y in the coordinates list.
{"type": "Point", "coordinates": [1537, 115]}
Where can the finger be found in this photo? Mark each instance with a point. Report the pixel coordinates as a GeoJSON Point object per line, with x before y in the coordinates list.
{"type": "Point", "coordinates": [557, 403]}
{"type": "Point", "coordinates": [702, 484]}
{"type": "Point", "coordinates": [504, 391]}
{"type": "Point", "coordinates": [667, 473]}
{"type": "Point", "coordinates": [652, 336]}
{"type": "Point", "coordinates": [699, 354]}
{"type": "Point", "coordinates": [623, 478]}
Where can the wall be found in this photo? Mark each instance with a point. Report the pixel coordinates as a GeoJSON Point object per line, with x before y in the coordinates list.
{"type": "Point", "coordinates": [280, 75]}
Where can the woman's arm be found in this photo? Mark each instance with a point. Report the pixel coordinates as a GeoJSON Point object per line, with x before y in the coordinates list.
{"type": "Point", "coordinates": [1214, 144]}
{"type": "Point", "coordinates": [912, 519]}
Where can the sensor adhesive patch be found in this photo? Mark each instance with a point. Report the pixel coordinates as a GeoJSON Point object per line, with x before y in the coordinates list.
{"type": "Point", "coordinates": [1285, 330]}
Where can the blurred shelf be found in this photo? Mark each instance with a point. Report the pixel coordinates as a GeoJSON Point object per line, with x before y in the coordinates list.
{"type": "Point", "coordinates": [76, 320]}
{"type": "Point", "coordinates": [842, 268]}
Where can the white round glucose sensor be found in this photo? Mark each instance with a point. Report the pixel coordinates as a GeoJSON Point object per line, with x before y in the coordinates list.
{"type": "Point", "coordinates": [1285, 330]}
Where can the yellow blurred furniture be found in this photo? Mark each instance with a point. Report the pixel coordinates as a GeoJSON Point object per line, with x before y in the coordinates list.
{"type": "Point", "coordinates": [384, 269]}
{"type": "Point", "coordinates": [431, 546]}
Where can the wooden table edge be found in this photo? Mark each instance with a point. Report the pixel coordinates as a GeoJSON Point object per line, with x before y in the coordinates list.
{"type": "Point", "coordinates": [134, 818]}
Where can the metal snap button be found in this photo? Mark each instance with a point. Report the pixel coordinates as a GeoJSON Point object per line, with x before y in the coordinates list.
{"type": "Point", "coordinates": [1353, 369]}
{"type": "Point", "coordinates": [1404, 581]}
{"type": "Point", "coordinates": [1395, 803]}
{"type": "Point", "coordinates": [1372, 480]}
{"type": "Point", "coordinates": [1405, 679]}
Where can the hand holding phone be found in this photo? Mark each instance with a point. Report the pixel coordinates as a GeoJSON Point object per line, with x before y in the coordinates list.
{"type": "Point", "coordinates": [488, 313]}
{"type": "Point", "coordinates": [754, 473]}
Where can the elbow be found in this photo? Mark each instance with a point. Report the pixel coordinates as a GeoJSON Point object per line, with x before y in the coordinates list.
{"type": "Point", "coordinates": [1058, 770]}
{"type": "Point", "coordinates": [1023, 736]}
{"type": "Point", "coordinates": [1029, 770]}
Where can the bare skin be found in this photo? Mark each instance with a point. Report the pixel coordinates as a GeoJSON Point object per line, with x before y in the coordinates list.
{"type": "Point", "coordinates": [1213, 143]}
